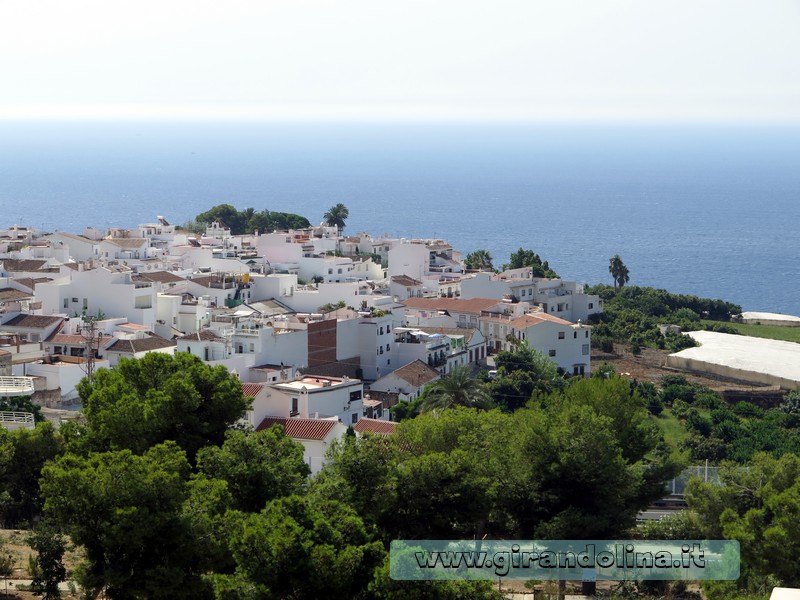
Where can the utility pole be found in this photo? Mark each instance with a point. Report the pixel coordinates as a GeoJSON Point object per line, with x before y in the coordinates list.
{"type": "Point", "coordinates": [91, 344]}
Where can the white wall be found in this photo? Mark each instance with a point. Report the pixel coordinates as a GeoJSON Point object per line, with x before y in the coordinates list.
{"type": "Point", "coordinates": [409, 259]}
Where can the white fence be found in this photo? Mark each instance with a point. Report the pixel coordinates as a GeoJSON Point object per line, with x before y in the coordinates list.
{"type": "Point", "coordinates": [16, 386]}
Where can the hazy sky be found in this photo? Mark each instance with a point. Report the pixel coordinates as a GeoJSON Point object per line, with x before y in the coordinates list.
{"type": "Point", "coordinates": [431, 59]}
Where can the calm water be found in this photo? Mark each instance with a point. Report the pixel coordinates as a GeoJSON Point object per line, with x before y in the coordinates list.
{"type": "Point", "coordinates": [712, 211]}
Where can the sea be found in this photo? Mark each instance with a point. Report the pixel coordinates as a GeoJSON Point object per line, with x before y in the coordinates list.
{"type": "Point", "coordinates": [710, 210]}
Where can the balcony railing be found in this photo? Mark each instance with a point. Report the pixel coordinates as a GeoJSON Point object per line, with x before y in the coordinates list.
{"type": "Point", "coordinates": [16, 386]}
{"type": "Point", "coordinates": [17, 420]}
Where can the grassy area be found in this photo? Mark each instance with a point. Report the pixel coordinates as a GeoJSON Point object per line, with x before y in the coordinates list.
{"type": "Point", "coordinates": [674, 432]}
{"type": "Point", "coordinates": [772, 332]}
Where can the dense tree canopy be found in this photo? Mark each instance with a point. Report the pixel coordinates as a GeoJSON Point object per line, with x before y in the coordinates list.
{"type": "Point", "coordinates": [760, 507]}
{"type": "Point", "coordinates": [479, 260]}
{"type": "Point", "coordinates": [248, 220]}
{"type": "Point", "coordinates": [528, 258]}
{"type": "Point", "coordinates": [157, 398]}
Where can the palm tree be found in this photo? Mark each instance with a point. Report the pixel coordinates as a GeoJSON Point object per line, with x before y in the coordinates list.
{"type": "Point", "coordinates": [456, 388]}
{"type": "Point", "coordinates": [480, 260]}
{"type": "Point", "coordinates": [618, 271]}
{"type": "Point", "coordinates": [336, 216]}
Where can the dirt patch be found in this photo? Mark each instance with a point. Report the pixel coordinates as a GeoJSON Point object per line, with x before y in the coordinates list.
{"type": "Point", "coordinates": [651, 365]}
{"type": "Point", "coordinates": [16, 546]}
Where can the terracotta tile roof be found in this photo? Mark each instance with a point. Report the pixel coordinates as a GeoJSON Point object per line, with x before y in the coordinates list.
{"type": "Point", "coordinates": [375, 426]}
{"type": "Point", "coordinates": [300, 429]}
{"type": "Point", "coordinates": [147, 344]}
{"type": "Point", "coordinates": [417, 373]}
{"type": "Point", "coordinates": [33, 321]}
{"type": "Point", "coordinates": [252, 389]}
{"type": "Point", "coordinates": [406, 281]}
{"type": "Point", "coordinates": [526, 321]}
{"type": "Point", "coordinates": [67, 338]}
{"type": "Point", "coordinates": [159, 277]}
{"type": "Point", "coordinates": [9, 294]}
{"type": "Point", "coordinates": [74, 236]}
{"type": "Point", "coordinates": [128, 243]}
{"type": "Point", "coordinates": [19, 266]}
{"type": "Point", "coordinates": [204, 335]}
{"type": "Point", "coordinates": [471, 305]}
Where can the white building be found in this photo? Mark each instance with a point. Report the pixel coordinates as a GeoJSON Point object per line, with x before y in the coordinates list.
{"type": "Point", "coordinates": [110, 290]}
{"type": "Point", "coordinates": [564, 299]}
{"type": "Point", "coordinates": [317, 397]}
{"type": "Point", "coordinates": [408, 381]}
{"type": "Point", "coordinates": [566, 344]}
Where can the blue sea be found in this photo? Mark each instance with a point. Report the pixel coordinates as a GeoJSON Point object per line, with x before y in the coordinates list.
{"type": "Point", "coordinates": [700, 209]}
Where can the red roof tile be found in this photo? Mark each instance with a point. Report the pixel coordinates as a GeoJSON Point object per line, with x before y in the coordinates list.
{"type": "Point", "coordinates": [375, 426]}
{"type": "Point", "coordinates": [252, 389]}
{"type": "Point", "coordinates": [300, 429]}
{"type": "Point", "coordinates": [471, 305]}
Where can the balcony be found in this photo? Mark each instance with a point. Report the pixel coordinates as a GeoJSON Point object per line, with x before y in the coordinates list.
{"type": "Point", "coordinates": [16, 386]}
{"type": "Point", "coordinates": [17, 420]}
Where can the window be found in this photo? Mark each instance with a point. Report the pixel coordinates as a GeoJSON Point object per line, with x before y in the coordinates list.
{"type": "Point", "coordinates": [388, 329]}
{"type": "Point", "coordinates": [587, 334]}
{"type": "Point", "coordinates": [330, 271]}
{"type": "Point", "coordinates": [66, 302]}
{"type": "Point", "coordinates": [85, 303]}
{"type": "Point", "coordinates": [381, 333]}
{"type": "Point", "coordinates": [252, 347]}
{"type": "Point", "coordinates": [552, 352]}
{"type": "Point", "coordinates": [58, 350]}
{"type": "Point", "coordinates": [381, 349]}
{"type": "Point", "coordinates": [355, 395]}
{"type": "Point", "coordinates": [354, 418]}
{"type": "Point", "coordinates": [294, 407]}
{"type": "Point", "coordinates": [387, 347]}
{"type": "Point", "coordinates": [74, 299]}
{"type": "Point", "coordinates": [585, 349]}
{"type": "Point", "coordinates": [561, 335]}
{"type": "Point", "coordinates": [339, 271]}
{"type": "Point", "coordinates": [591, 305]}
{"type": "Point", "coordinates": [574, 335]}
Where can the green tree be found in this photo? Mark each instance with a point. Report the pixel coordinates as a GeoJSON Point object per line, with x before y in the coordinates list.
{"type": "Point", "coordinates": [760, 507]}
{"type": "Point", "coordinates": [298, 549]}
{"type": "Point", "coordinates": [456, 388]}
{"type": "Point", "coordinates": [567, 475]}
{"type": "Point", "coordinates": [480, 260]}
{"type": "Point", "coordinates": [226, 214]}
{"type": "Point", "coordinates": [143, 402]}
{"type": "Point", "coordinates": [126, 511]}
{"type": "Point", "coordinates": [336, 216]}
{"type": "Point", "coordinates": [618, 270]}
{"type": "Point", "coordinates": [257, 466]}
{"type": "Point", "coordinates": [21, 499]}
{"type": "Point", "coordinates": [528, 258]}
{"type": "Point", "coordinates": [248, 220]}
{"type": "Point", "coordinates": [50, 545]}
{"type": "Point", "coordinates": [523, 371]}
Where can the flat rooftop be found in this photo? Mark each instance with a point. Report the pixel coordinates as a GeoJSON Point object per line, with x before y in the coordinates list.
{"type": "Point", "coordinates": [745, 354]}
{"type": "Point", "coordinates": [314, 383]}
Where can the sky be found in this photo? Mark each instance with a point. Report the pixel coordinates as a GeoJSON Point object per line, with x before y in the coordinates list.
{"type": "Point", "coordinates": [513, 60]}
